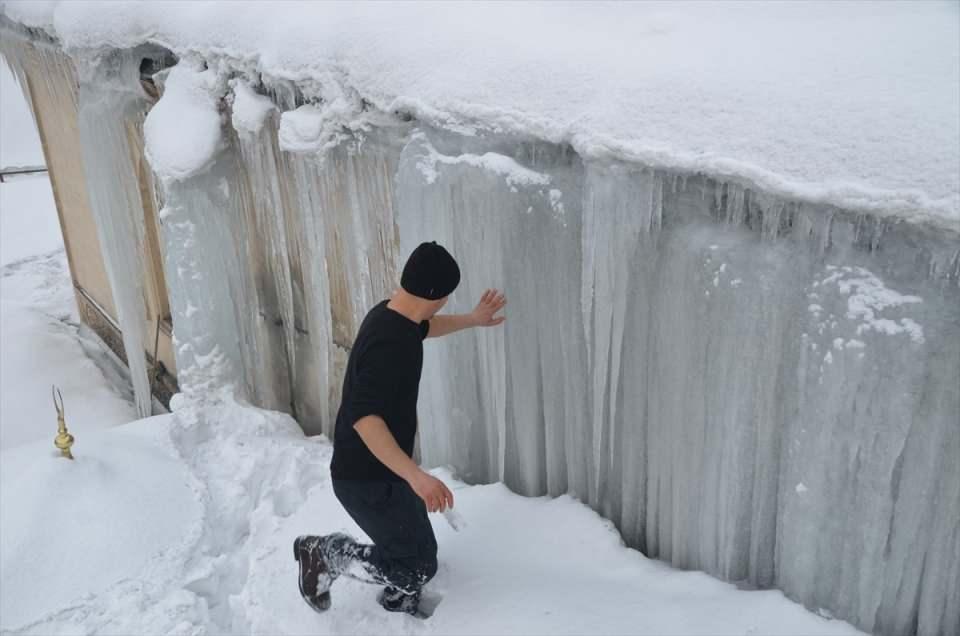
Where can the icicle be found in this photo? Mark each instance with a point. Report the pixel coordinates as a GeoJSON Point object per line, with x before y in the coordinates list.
{"type": "Point", "coordinates": [111, 107]}
{"type": "Point", "coordinates": [656, 208]}
{"type": "Point", "coordinates": [772, 212]}
{"type": "Point", "coordinates": [719, 190]}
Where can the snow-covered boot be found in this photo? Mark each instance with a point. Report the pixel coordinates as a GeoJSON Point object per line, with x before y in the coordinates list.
{"type": "Point", "coordinates": [395, 600]}
{"type": "Point", "coordinates": [315, 576]}
{"type": "Point", "coordinates": [340, 551]}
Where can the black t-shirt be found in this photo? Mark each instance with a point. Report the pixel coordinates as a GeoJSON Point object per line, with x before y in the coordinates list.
{"type": "Point", "coordinates": [382, 378]}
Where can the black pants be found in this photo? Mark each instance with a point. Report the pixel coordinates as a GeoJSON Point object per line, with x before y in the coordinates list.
{"type": "Point", "coordinates": [404, 551]}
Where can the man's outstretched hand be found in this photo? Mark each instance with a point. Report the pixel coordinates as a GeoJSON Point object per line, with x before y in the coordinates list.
{"type": "Point", "coordinates": [434, 492]}
{"type": "Point", "coordinates": [490, 303]}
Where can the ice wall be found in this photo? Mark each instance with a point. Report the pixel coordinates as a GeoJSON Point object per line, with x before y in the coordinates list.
{"type": "Point", "coordinates": [762, 389]}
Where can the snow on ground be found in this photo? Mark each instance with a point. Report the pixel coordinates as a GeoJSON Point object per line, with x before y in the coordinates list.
{"type": "Point", "coordinates": [41, 342]}
{"type": "Point", "coordinates": [185, 523]}
{"type": "Point", "coordinates": [28, 219]}
{"type": "Point", "coordinates": [19, 142]}
{"type": "Point", "coordinates": [852, 103]}
{"type": "Point", "coordinates": [75, 529]}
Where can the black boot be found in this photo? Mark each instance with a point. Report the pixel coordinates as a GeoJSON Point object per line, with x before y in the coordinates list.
{"type": "Point", "coordinates": [393, 599]}
{"type": "Point", "coordinates": [340, 551]}
{"type": "Point", "coordinates": [315, 576]}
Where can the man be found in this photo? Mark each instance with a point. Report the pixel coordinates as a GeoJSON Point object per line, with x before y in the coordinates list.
{"type": "Point", "coordinates": [374, 475]}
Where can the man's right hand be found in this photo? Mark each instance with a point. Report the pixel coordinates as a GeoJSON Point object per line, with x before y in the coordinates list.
{"type": "Point", "coordinates": [434, 492]}
{"type": "Point", "coordinates": [381, 442]}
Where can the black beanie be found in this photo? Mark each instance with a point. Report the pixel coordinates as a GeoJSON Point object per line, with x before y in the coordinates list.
{"type": "Point", "coordinates": [431, 272]}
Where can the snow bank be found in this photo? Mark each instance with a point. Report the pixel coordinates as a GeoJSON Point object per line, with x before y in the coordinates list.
{"type": "Point", "coordinates": [40, 341]}
{"type": "Point", "coordinates": [38, 351]}
{"type": "Point", "coordinates": [122, 509]}
{"type": "Point", "coordinates": [845, 103]}
{"type": "Point", "coordinates": [183, 524]}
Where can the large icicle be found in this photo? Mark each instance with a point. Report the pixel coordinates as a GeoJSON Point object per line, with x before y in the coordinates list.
{"type": "Point", "coordinates": [326, 212]}
{"type": "Point", "coordinates": [269, 243]}
{"type": "Point", "coordinates": [619, 213]}
{"type": "Point", "coordinates": [204, 232]}
{"type": "Point", "coordinates": [657, 362]}
{"type": "Point", "coordinates": [111, 107]}
{"type": "Point", "coordinates": [287, 248]}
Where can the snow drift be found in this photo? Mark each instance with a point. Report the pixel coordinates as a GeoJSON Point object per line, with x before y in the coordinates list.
{"type": "Point", "coordinates": [182, 524]}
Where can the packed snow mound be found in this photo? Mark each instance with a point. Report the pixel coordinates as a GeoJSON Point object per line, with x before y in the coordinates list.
{"type": "Point", "coordinates": [846, 103]}
{"type": "Point", "coordinates": [41, 340]}
{"type": "Point", "coordinates": [183, 524]}
{"type": "Point", "coordinates": [122, 509]}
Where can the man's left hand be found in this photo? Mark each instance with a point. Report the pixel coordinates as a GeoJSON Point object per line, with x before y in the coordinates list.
{"type": "Point", "coordinates": [490, 303]}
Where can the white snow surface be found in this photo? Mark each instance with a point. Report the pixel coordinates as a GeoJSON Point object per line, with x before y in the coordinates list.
{"type": "Point", "coordinates": [75, 529]}
{"type": "Point", "coordinates": [511, 171]}
{"type": "Point", "coordinates": [184, 523]}
{"type": "Point", "coordinates": [189, 106]}
{"type": "Point", "coordinates": [250, 110]}
{"type": "Point", "coordinates": [855, 104]}
{"type": "Point", "coordinates": [41, 342]}
{"type": "Point", "coordinates": [306, 129]}
{"type": "Point", "coordinates": [19, 141]}
{"type": "Point", "coordinates": [28, 218]}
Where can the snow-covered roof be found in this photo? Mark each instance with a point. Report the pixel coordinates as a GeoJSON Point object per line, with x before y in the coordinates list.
{"type": "Point", "coordinates": [853, 104]}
